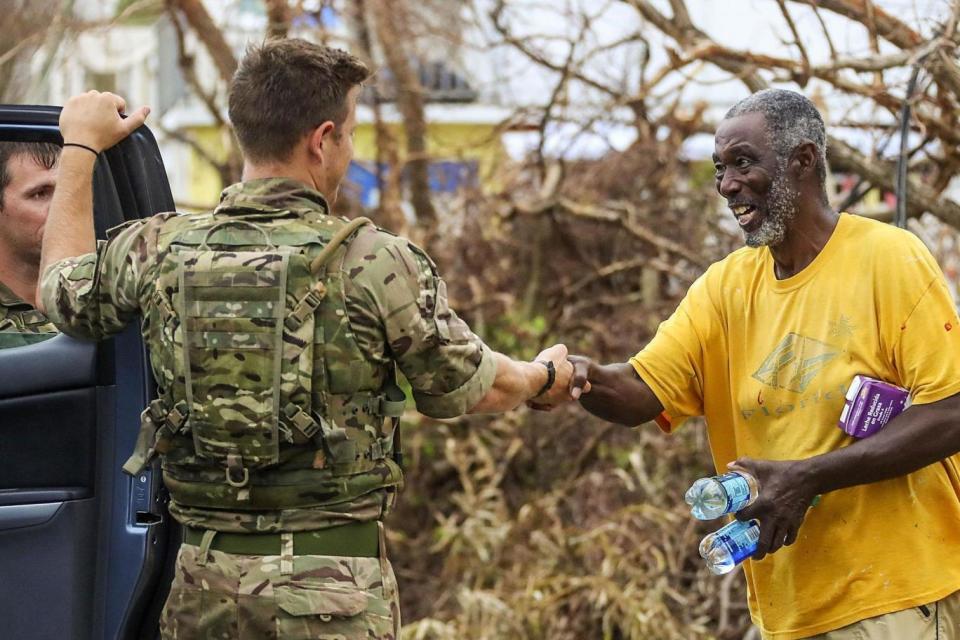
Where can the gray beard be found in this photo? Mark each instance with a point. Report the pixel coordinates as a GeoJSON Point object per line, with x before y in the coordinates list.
{"type": "Point", "coordinates": [781, 209]}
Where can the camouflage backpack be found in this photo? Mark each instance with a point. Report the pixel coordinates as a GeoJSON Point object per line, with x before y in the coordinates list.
{"type": "Point", "coordinates": [238, 300]}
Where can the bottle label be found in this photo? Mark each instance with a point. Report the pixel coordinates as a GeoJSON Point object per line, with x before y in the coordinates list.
{"type": "Point", "coordinates": [741, 539]}
{"type": "Point", "coordinates": [737, 489]}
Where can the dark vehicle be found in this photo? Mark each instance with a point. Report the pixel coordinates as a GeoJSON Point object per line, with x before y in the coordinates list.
{"type": "Point", "coordinates": [86, 551]}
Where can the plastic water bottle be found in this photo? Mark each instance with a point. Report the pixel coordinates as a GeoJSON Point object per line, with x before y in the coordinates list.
{"type": "Point", "coordinates": [711, 498]}
{"type": "Point", "coordinates": [730, 545]}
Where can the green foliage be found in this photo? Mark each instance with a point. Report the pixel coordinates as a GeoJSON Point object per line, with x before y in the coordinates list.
{"type": "Point", "coordinates": [520, 336]}
{"type": "Point", "coordinates": [702, 177]}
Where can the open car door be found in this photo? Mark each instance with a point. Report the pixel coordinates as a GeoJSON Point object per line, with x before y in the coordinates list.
{"type": "Point", "coordinates": [83, 546]}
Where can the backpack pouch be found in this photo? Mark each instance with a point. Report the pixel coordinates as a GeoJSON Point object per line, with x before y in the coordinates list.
{"type": "Point", "coordinates": [233, 307]}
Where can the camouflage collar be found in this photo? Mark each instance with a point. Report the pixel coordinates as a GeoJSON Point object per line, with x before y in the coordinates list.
{"type": "Point", "coordinates": [270, 195]}
{"type": "Point", "coordinates": [9, 298]}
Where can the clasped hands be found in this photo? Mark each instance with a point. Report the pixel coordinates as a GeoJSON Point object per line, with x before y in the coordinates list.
{"type": "Point", "coordinates": [570, 381]}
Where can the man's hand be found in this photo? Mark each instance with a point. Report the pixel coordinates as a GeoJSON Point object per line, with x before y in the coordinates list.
{"type": "Point", "coordinates": [93, 119]}
{"type": "Point", "coordinates": [559, 391]}
{"type": "Point", "coordinates": [785, 495]}
{"type": "Point", "coordinates": [579, 384]}
{"type": "Point", "coordinates": [517, 382]}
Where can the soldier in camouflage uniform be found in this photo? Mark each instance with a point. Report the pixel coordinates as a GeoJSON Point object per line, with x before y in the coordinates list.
{"type": "Point", "coordinates": [275, 331]}
{"type": "Point", "coordinates": [27, 179]}
{"type": "Point", "coordinates": [20, 323]}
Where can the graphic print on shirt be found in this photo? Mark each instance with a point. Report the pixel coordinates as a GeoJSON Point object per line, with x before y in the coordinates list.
{"type": "Point", "coordinates": [794, 363]}
{"type": "Point", "coordinates": [842, 328]}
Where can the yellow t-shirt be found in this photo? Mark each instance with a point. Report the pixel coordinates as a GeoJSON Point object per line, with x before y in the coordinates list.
{"type": "Point", "coordinates": [767, 362]}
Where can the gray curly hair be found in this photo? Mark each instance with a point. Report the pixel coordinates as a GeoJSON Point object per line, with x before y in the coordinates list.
{"type": "Point", "coordinates": [791, 120]}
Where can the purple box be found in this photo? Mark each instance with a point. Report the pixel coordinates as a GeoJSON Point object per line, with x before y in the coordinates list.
{"type": "Point", "coordinates": [870, 404]}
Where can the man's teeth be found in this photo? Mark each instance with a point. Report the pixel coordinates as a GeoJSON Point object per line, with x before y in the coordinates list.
{"type": "Point", "coordinates": [740, 209]}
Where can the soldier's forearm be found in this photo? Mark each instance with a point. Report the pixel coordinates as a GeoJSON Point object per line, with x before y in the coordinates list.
{"type": "Point", "coordinates": [69, 228]}
{"type": "Point", "coordinates": [515, 383]}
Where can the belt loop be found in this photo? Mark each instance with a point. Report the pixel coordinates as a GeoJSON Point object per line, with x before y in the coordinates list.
{"type": "Point", "coordinates": [383, 540]}
{"type": "Point", "coordinates": [386, 575]}
{"type": "Point", "coordinates": [382, 552]}
{"type": "Point", "coordinates": [205, 543]}
{"type": "Point", "coordinates": [286, 553]}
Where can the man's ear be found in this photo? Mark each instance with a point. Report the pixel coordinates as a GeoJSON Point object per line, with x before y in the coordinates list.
{"type": "Point", "coordinates": [805, 159]}
{"type": "Point", "coordinates": [318, 138]}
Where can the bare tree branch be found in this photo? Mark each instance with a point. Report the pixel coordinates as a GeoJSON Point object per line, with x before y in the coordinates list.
{"type": "Point", "coordinates": [210, 35]}
{"type": "Point", "coordinates": [279, 17]}
{"type": "Point", "coordinates": [805, 59]}
{"type": "Point", "coordinates": [922, 198]}
{"type": "Point", "coordinates": [388, 164]}
{"type": "Point", "coordinates": [620, 217]}
{"type": "Point", "coordinates": [230, 169]}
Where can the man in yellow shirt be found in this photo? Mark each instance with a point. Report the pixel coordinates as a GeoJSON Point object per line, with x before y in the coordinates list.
{"type": "Point", "coordinates": [764, 346]}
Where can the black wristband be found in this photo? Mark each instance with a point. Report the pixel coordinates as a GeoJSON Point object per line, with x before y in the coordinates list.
{"type": "Point", "coordinates": [551, 376]}
{"type": "Point", "coordinates": [82, 146]}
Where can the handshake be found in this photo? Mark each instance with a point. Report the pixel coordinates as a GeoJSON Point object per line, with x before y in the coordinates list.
{"type": "Point", "coordinates": [566, 380]}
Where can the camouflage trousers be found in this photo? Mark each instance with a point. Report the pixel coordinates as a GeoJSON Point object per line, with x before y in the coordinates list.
{"type": "Point", "coordinates": [285, 597]}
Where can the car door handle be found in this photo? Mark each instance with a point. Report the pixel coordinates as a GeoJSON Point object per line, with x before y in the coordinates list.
{"type": "Point", "coordinates": [17, 516]}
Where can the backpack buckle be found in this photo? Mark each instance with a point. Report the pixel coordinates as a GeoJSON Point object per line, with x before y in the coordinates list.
{"type": "Point", "coordinates": [382, 406]}
{"type": "Point", "coordinates": [306, 306]}
{"type": "Point", "coordinates": [377, 450]}
{"type": "Point", "coordinates": [301, 420]}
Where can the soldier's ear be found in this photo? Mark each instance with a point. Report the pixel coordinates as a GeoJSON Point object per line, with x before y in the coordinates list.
{"type": "Point", "coordinates": [318, 140]}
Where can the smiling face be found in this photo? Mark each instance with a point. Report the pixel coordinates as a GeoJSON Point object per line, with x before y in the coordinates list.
{"type": "Point", "coordinates": [754, 180]}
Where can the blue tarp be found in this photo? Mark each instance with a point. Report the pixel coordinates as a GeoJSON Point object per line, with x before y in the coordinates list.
{"type": "Point", "coordinates": [446, 176]}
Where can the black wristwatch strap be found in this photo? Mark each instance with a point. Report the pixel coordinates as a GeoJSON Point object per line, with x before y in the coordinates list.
{"type": "Point", "coordinates": [551, 377]}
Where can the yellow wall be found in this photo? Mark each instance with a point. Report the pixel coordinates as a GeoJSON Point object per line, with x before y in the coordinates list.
{"type": "Point", "coordinates": [446, 141]}
{"type": "Point", "coordinates": [205, 185]}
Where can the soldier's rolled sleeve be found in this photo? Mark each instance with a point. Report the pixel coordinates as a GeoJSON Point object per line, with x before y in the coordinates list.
{"type": "Point", "coordinates": [460, 400]}
{"type": "Point", "coordinates": [449, 368]}
{"type": "Point", "coordinates": [96, 295]}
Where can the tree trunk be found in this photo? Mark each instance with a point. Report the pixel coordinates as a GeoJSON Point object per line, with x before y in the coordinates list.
{"type": "Point", "coordinates": [389, 212]}
{"type": "Point", "coordinates": [210, 35]}
{"type": "Point", "coordinates": [391, 17]}
{"type": "Point", "coordinates": [278, 18]}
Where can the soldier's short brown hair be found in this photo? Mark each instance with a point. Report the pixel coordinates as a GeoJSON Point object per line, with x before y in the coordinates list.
{"type": "Point", "coordinates": [283, 88]}
{"type": "Point", "coordinates": [43, 154]}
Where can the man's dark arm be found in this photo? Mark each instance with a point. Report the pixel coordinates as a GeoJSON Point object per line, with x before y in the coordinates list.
{"type": "Point", "coordinates": [616, 393]}
{"type": "Point", "coordinates": [920, 436]}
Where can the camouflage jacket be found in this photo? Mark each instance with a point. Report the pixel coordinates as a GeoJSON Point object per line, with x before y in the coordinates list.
{"type": "Point", "coordinates": [20, 323]}
{"type": "Point", "coordinates": [396, 308]}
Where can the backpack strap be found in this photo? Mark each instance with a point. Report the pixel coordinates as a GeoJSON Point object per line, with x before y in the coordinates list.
{"type": "Point", "coordinates": [157, 427]}
{"type": "Point", "coordinates": [307, 305]}
{"type": "Point", "coordinates": [318, 263]}
{"type": "Point", "coordinates": [389, 403]}
{"type": "Point", "coordinates": [308, 426]}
